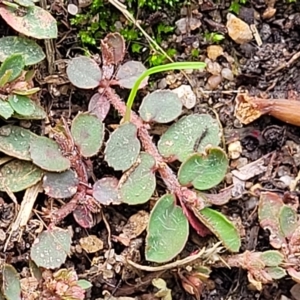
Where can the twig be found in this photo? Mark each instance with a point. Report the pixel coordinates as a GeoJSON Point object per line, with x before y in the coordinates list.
{"type": "Point", "coordinates": [203, 254]}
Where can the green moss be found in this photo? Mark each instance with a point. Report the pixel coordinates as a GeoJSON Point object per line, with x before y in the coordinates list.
{"type": "Point", "coordinates": [100, 18]}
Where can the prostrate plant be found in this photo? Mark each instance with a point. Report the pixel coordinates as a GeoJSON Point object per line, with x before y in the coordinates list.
{"type": "Point", "coordinates": [192, 139]}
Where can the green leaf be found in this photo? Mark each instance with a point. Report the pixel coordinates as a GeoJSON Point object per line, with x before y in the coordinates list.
{"type": "Point", "coordinates": [19, 175]}
{"type": "Point", "coordinates": [167, 232]}
{"type": "Point", "coordinates": [60, 185]}
{"type": "Point", "coordinates": [46, 154]}
{"type": "Point", "coordinates": [15, 141]}
{"type": "Point", "coordinates": [15, 63]}
{"type": "Point", "coordinates": [190, 134]}
{"type": "Point", "coordinates": [38, 113]}
{"type": "Point", "coordinates": [84, 72]}
{"type": "Point", "coordinates": [4, 79]}
{"type": "Point", "coordinates": [204, 171]}
{"type": "Point", "coordinates": [105, 191]}
{"type": "Point", "coordinates": [11, 283]}
{"type": "Point", "coordinates": [36, 23]}
{"type": "Point", "coordinates": [25, 3]}
{"type": "Point", "coordinates": [88, 132]}
{"type": "Point", "coordinates": [129, 72]}
{"type": "Point", "coordinates": [160, 106]}
{"type": "Point", "coordinates": [26, 92]}
{"type": "Point", "coordinates": [269, 207]}
{"type": "Point", "coordinates": [84, 284]}
{"type": "Point", "coordinates": [138, 184]}
{"type": "Point", "coordinates": [272, 258]}
{"type": "Point", "coordinates": [276, 272]}
{"type": "Point", "coordinates": [51, 247]}
{"type": "Point", "coordinates": [288, 220]}
{"type": "Point", "coordinates": [6, 110]}
{"type": "Point", "coordinates": [31, 51]}
{"type": "Point", "coordinates": [123, 147]}
{"type": "Point", "coordinates": [219, 225]}
{"type": "Point", "coordinates": [21, 104]}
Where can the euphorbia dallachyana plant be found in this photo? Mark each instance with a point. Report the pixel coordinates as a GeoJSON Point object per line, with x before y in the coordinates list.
{"type": "Point", "coordinates": [191, 139]}
{"type": "Point", "coordinates": [62, 162]}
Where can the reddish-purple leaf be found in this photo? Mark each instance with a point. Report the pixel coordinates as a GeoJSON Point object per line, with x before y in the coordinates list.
{"type": "Point", "coordinates": [105, 191]}
{"type": "Point", "coordinates": [83, 216]}
{"type": "Point", "coordinates": [37, 22]}
{"type": "Point", "coordinates": [113, 49]}
{"type": "Point", "coordinates": [99, 105]}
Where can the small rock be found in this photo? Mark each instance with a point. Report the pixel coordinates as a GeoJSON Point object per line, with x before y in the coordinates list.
{"type": "Point", "coordinates": [235, 150]}
{"type": "Point", "coordinates": [295, 291]}
{"type": "Point", "coordinates": [184, 24]}
{"type": "Point", "coordinates": [214, 81]}
{"type": "Point", "coordinates": [238, 30]}
{"type": "Point", "coordinates": [84, 3]}
{"type": "Point", "coordinates": [213, 68]}
{"type": "Point", "coordinates": [214, 51]}
{"type": "Point", "coordinates": [286, 179]}
{"type": "Point", "coordinates": [247, 15]}
{"type": "Point", "coordinates": [227, 74]}
{"type": "Point", "coordinates": [162, 84]}
{"type": "Point", "coordinates": [186, 95]}
{"type": "Point", "coordinates": [72, 9]}
{"type": "Point", "coordinates": [269, 13]}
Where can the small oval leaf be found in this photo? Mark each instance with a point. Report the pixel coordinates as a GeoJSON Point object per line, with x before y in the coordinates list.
{"type": "Point", "coordinates": [129, 72]}
{"type": "Point", "coordinates": [46, 154]}
{"type": "Point", "coordinates": [15, 63]}
{"type": "Point", "coordinates": [60, 185]}
{"type": "Point", "coordinates": [38, 113]}
{"type": "Point", "coordinates": [15, 141]}
{"type": "Point", "coordinates": [218, 224]}
{"type": "Point", "coordinates": [22, 105]}
{"type": "Point", "coordinates": [167, 232]}
{"type": "Point", "coordinates": [99, 105]}
{"type": "Point", "coordinates": [88, 132]}
{"type": "Point", "coordinates": [36, 23]}
{"type": "Point", "coordinates": [138, 185]}
{"type": "Point", "coordinates": [123, 147]}
{"type": "Point", "coordinates": [6, 110]}
{"type": "Point", "coordinates": [276, 272]}
{"type": "Point", "coordinates": [190, 134]}
{"type": "Point", "coordinates": [204, 171]}
{"type": "Point", "coordinates": [11, 283]}
{"type": "Point", "coordinates": [30, 50]}
{"type": "Point", "coordinates": [272, 258]}
{"type": "Point", "coordinates": [19, 175]}
{"type": "Point", "coordinates": [84, 73]}
{"type": "Point", "coordinates": [105, 191]}
{"type": "Point", "coordinates": [51, 247]}
{"type": "Point", "coordinates": [288, 220]}
{"type": "Point", "coordinates": [161, 107]}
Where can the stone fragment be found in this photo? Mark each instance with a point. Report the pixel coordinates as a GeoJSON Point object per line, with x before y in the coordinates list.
{"type": "Point", "coordinates": [238, 30]}
{"type": "Point", "coordinates": [214, 51]}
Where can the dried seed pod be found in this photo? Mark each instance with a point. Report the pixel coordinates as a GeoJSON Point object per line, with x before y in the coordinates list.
{"type": "Point", "coordinates": [248, 109]}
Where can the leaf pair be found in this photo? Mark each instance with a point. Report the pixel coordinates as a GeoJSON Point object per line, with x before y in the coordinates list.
{"type": "Point", "coordinates": [136, 186]}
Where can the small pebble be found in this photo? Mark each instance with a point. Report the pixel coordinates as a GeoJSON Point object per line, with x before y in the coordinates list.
{"type": "Point", "coordinates": [213, 68]}
{"type": "Point", "coordinates": [295, 291]}
{"type": "Point", "coordinates": [235, 150]}
{"type": "Point", "coordinates": [286, 179]}
{"type": "Point", "coordinates": [214, 51]}
{"type": "Point", "coordinates": [186, 95]}
{"type": "Point", "coordinates": [214, 81]}
{"type": "Point", "coordinates": [238, 30]}
{"type": "Point", "coordinates": [227, 74]}
{"type": "Point", "coordinates": [72, 9]}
